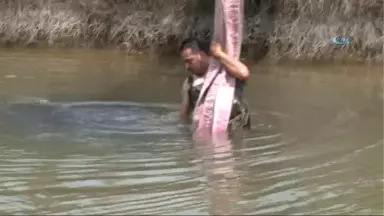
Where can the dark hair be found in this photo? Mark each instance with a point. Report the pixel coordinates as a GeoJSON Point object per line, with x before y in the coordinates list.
{"type": "Point", "coordinates": [195, 44]}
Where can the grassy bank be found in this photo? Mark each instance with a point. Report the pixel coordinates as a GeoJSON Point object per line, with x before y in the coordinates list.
{"type": "Point", "coordinates": [276, 29]}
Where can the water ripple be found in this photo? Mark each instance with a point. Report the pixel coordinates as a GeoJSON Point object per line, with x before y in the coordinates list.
{"type": "Point", "coordinates": [132, 158]}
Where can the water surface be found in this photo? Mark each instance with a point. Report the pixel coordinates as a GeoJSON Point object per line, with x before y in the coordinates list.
{"type": "Point", "coordinates": [97, 133]}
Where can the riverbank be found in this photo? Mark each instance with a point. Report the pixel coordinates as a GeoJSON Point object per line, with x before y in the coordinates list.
{"type": "Point", "coordinates": [274, 30]}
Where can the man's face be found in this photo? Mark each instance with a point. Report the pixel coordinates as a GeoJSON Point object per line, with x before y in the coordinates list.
{"type": "Point", "coordinates": [193, 61]}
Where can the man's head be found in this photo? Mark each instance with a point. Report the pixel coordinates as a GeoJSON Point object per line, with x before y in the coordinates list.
{"type": "Point", "coordinates": [195, 55]}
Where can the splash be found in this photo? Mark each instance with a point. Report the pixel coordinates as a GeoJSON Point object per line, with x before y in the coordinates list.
{"type": "Point", "coordinates": [211, 116]}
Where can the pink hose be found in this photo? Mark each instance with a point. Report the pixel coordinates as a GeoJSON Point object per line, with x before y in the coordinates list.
{"type": "Point", "coordinates": [213, 109]}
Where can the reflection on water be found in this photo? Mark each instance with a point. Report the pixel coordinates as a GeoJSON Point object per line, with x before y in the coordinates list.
{"type": "Point", "coordinates": [97, 133]}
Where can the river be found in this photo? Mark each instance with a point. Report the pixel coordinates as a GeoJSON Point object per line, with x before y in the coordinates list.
{"type": "Point", "coordinates": [97, 132]}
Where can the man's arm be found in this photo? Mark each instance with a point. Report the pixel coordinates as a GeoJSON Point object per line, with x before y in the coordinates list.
{"type": "Point", "coordinates": [184, 106]}
{"type": "Point", "coordinates": [234, 67]}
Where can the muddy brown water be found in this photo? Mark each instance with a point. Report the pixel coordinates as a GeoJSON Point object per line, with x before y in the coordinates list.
{"type": "Point", "coordinates": [96, 132]}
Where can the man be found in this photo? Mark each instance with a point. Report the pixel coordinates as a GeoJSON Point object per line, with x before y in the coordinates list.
{"type": "Point", "coordinates": [196, 56]}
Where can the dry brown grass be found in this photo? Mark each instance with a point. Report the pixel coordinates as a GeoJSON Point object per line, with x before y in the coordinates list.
{"type": "Point", "coordinates": [294, 29]}
{"type": "Point", "coordinates": [303, 29]}
{"type": "Point", "coordinates": [131, 24]}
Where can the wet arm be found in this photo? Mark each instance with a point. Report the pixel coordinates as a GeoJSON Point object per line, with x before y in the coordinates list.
{"type": "Point", "coordinates": [233, 66]}
{"type": "Point", "coordinates": [184, 103]}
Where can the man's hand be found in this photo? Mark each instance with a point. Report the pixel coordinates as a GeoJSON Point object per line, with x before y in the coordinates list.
{"type": "Point", "coordinates": [234, 67]}
{"type": "Point", "coordinates": [216, 49]}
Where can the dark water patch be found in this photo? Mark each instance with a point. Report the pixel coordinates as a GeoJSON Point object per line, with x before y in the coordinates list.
{"type": "Point", "coordinates": [89, 119]}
